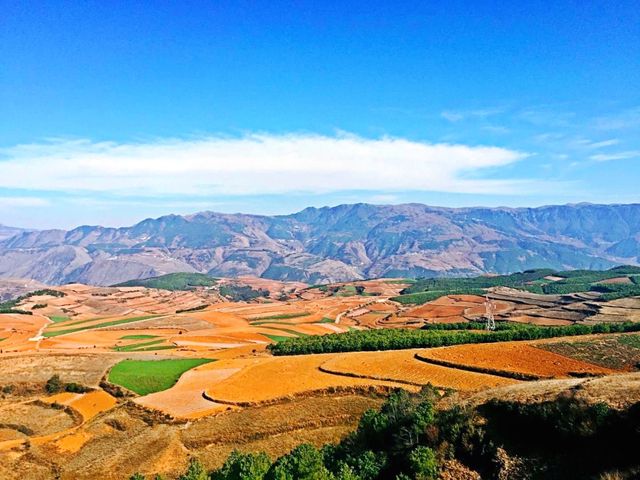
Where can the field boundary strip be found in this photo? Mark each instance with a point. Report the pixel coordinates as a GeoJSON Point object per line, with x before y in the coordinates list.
{"type": "Point", "coordinates": [327, 370]}
{"type": "Point", "coordinates": [112, 323]}
{"type": "Point", "coordinates": [325, 392]}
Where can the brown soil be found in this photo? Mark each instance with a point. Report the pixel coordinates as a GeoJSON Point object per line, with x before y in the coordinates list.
{"type": "Point", "coordinates": [514, 357]}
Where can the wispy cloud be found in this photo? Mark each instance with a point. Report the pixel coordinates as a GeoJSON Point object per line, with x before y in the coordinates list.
{"type": "Point", "coordinates": [602, 144]}
{"type": "Point", "coordinates": [457, 115]}
{"type": "Point", "coordinates": [547, 116]}
{"type": "Point", "coordinates": [14, 202]}
{"type": "Point", "coordinates": [255, 164]}
{"type": "Point", "coordinates": [605, 157]}
{"type": "Point", "coordinates": [619, 121]}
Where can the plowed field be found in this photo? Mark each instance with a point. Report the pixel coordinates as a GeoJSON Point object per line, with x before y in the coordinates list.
{"type": "Point", "coordinates": [512, 357]}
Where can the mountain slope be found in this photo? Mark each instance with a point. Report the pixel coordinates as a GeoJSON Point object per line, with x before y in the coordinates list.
{"type": "Point", "coordinates": [333, 244]}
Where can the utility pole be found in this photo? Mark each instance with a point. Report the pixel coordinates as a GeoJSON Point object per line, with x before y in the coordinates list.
{"type": "Point", "coordinates": [490, 310]}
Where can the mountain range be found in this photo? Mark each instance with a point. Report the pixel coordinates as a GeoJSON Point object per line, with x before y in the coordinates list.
{"type": "Point", "coordinates": [331, 244]}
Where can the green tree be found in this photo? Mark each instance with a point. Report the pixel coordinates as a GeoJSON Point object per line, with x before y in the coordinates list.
{"type": "Point", "coordinates": [345, 472]}
{"type": "Point", "coordinates": [195, 471]}
{"type": "Point", "coordinates": [137, 476]}
{"type": "Point", "coordinates": [424, 464]}
{"type": "Point", "coordinates": [243, 466]}
{"type": "Point", "coordinates": [368, 465]}
{"type": "Point", "coordinates": [305, 462]}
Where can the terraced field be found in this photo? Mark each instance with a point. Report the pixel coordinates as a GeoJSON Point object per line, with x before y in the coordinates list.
{"type": "Point", "coordinates": [511, 359]}
{"type": "Point", "coordinates": [182, 402]}
{"type": "Point", "coordinates": [402, 366]}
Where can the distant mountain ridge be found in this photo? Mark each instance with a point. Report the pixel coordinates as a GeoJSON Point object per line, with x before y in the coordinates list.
{"type": "Point", "coordinates": [329, 244]}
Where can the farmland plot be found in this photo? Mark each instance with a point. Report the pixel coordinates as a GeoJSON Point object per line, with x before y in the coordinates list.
{"type": "Point", "coordinates": [511, 358]}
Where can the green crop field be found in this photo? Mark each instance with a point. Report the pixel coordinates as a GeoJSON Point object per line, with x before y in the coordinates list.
{"type": "Point", "coordinates": [276, 338]}
{"type": "Point", "coordinates": [150, 376]}
{"type": "Point", "coordinates": [134, 347]}
{"type": "Point", "coordinates": [55, 333]}
{"type": "Point", "coordinates": [138, 337]}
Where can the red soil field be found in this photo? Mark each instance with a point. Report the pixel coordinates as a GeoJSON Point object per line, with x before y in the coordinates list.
{"type": "Point", "coordinates": [512, 357]}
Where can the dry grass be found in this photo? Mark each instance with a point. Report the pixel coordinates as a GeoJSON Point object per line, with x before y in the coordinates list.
{"type": "Point", "coordinates": [270, 378]}
{"type": "Point", "coordinates": [119, 443]}
{"type": "Point", "coordinates": [401, 366]}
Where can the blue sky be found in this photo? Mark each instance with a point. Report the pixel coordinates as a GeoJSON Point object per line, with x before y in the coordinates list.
{"type": "Point", "coordinates": [111, 112]}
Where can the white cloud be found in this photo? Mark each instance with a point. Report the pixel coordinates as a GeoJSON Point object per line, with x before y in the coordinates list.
{"type": "Point", "coordinates": [622, 120]}
{"type": "Point", "coordinates": [602, 144]}
{"type": "Point", "coordinates": [452, 116]}
{"type": "Point", "coordinates": [605, 157]}
{"type": "Point", "coordinates": [254, 164]}
{"type": "Point", "coordinates": [11, 202]}
{"type": "Point", "coordinates": [456, 116]}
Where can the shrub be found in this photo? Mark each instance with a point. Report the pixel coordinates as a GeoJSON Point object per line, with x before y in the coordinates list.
{"type": "Point", "coordinates": [195, 471]}
{"type": "Point", "coordinates": [424, 464]}
{"type": "Point", "coordinates": [76, 388]}
{"type": "Point", "coordinates": [54, 385]}
{"type": "Point", "coordinates": [243, 466]}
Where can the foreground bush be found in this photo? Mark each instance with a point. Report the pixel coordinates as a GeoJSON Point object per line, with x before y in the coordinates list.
{"type": "Point", "coordinates": [409, 438]}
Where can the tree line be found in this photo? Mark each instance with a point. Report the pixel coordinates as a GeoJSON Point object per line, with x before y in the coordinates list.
{"type": "Point", "coordinates": [398, 339]}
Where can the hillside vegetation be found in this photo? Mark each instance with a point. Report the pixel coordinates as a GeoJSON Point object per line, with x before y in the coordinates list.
{"type": "Point", "coordinates": [410, 438]}
{"type": "Point", "coordinates": [541, 281]}
{"type": "Point", "coordinates": [173, 281]}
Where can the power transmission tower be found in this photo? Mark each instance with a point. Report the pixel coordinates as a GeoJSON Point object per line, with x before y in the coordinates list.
{"type": "Point", "coordinates": [490, 310]}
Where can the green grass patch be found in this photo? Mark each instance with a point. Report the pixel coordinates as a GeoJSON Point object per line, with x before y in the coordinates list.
{"type": "Point", "coordinates": [150, 376]}
{"type": "Point", "coordinates": [327, 320]}
{"type": "Point", "coordinates": [58, 318]}
{"type": "Point", "coordinates": [135, 346]}
{"type": "Point", "coordinates": [347, 291]}
{"type": "Point", "coordinates": [158, 347]}
{"type": "Point", "coordinates": [55, 333]}
{"type": "Point", "coordinates": [79, 322]}
{"type": "Point", "coordinates": [138, 337]}
{"type": "Point", "coordinates": [292, 332]}
{"type": "Point", "coordinates": [276, 338]}
{"type": "Point", "coordinates": [630, 340]}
